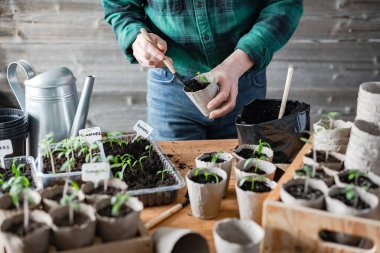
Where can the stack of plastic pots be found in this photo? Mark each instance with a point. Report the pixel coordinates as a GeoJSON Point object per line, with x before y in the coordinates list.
{"type": "Point", "coordinates": [14, 127]}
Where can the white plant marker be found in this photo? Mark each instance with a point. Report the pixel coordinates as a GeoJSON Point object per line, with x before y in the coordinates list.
{"type": "Point", "coordinates": [142, 129]}
{"type": "Point", "coordinates": [6, 148]}
{"type": "Point", "coordinates": [91, 134]}
{"type": "Point", "coordinates": [95, 172]}
{"type": "Point", "coordinates": [286, 92]}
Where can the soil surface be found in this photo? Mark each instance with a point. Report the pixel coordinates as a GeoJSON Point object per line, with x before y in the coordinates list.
{"type": "Point", "coordinates": [107, 211]}
{"type": "Point", "coordinates": [247, 153]}
{"type": "Point", "coordinates": [25, 171]}
{"type": "Point", "coordinates": [18, 228]}
{"type": "Point", "coordinates": [298, 191]}
{"type": "Point", "coordinates": [360, 205]}
{"type": "Point", "coordinates": [140, 178]}
{"type": "Point", "coordinates": [79, 219]}
{"type": "Point", "coordinates": [258, 186]}
{"type": "Point", "coordinates": [319, 174]}
{"type": "Point", "coordinates": [363, 181]}
{"type": "Point", "coordinates": [209, 158]}
{"type": "Point", "coordinates": [193, 85]}
{"type": "Point", "coordinates": [200, 179]}
{"type": "Point", "coordinates": [321, 155]}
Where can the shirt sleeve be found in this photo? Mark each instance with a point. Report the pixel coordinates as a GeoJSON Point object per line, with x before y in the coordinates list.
{"type": "Point", "coordinates": [126, 17]}
{"type": "Point", "coordinates": [275, 25]}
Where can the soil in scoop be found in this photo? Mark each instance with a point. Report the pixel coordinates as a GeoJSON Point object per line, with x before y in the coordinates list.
{"type": "Point", "coordinates": [298, 191]}
{"type": "Point", "coordinates": [258, 186]}
{"type": "Point", "coordinates": [363, 181]}
{"type": "Point", "coordinates": [193, 85]}
{"type": "Point", "coordinates": [107, 211]}
{"type": "Point", "coordinates": [79, 160]}
{"type": "Point", "coordinates": [25, 171]}
{"type": "Point", "coordinates": [247, 153]}
{"type": "Point", "coordinates": [201, 179]}
{"type": "Point", "coordinates": [208, 158]}
{"type": "Point", "coordinates": [139, 178]}
{"type": "Point", "coordinates": [341, 196]}
{"type": "Point", "coordinates": [321, 156]}
{"type": "Point", "coordinates": [79, 219]}
{"type": "Point", "coordinates": [18, 228]}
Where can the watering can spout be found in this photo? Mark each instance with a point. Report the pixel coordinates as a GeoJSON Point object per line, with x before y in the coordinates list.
{"type": "Point", "coordinates": [83, 106]}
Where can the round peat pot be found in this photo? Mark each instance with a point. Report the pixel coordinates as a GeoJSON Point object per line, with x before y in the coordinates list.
{"type": "Point", "coordinates": [14, 127]}
{"type": "Point", "coordinates": [175, 240]}
{"type": "Point", "coordinates": [259, 120]}
{"type": "Point", "coordinates": [369, 102]}
{"type": "Point", "coordinates": [237, 236]}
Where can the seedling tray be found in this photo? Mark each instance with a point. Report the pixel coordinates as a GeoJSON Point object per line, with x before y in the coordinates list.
{"type": "Point", "coordinates": [47, 179]}
{"type": "Point", "coordinates": [158, 195]}
{"type": "Point", "coordinates": [297, 229]}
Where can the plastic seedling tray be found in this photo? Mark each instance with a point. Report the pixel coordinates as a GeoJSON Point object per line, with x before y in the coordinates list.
{"type": "Point", "coordinates": [49, 179]}
{"type": "Point", "coordinates": [24, 160]}
{"type": "Point", "coordinates": [159, 195]}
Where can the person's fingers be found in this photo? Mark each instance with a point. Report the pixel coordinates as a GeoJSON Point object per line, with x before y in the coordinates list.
{"type": "Point", "coordinates": [148, 63]}
{"type": "Point", "coordinates": [148, 47]}
{"type": "Point", "coordinates": [226, 107]}
{"type": "Point", "coordinates": [220, 98]}
{"type": "Point", "coordinates": [161, 44]}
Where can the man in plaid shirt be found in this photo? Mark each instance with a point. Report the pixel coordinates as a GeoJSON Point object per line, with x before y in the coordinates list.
{"type": "Point", "coordinates": [234, 39]}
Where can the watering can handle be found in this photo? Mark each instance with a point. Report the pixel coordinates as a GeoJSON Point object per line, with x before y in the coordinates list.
{"type": "Point", "coordinates": [13, 81]}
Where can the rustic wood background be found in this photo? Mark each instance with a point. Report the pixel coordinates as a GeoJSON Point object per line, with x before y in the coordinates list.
{"type": "Point", "coordinates": [335, 48]}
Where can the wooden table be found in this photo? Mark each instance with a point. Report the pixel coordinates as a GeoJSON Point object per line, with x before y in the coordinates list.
{"type": "Point", "coordinates": [185, 152]}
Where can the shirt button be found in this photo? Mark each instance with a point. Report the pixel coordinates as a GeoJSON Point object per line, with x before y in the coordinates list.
{"type": "Point", "coordinates": [206, 37]}
{"type": "Point", "coordinates": [199, 4]}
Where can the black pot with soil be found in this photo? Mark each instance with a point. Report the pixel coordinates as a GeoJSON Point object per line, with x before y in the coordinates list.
{"type": "Point", "coordinates": [259, 120]}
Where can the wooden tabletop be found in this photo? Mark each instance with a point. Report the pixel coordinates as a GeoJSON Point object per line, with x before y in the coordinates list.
{"type": "Point", "coordinates": [183, 154]}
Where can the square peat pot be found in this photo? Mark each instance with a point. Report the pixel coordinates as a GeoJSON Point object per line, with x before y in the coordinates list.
{"type": "Point", "coordinates": [259, 120]}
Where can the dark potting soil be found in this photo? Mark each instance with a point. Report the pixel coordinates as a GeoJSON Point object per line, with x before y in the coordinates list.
{"type": "Point", "coordinates": [18, 228]}
{"type": "Point", "coordinates": [79, 160]}
{"type": "Point", "coordinates": [298, 191]}
{"type": "Point", "coordinates": [56, 197]}
{"type": "Point", "coordinates": [319, 174]}
{"type": "Point", "coordinates": [193, 85]}
{"type": "Point", "coordinates": [341, 196]}
{"type": "Point", "coordinates": [258, 186]}
{"type": "Point", "coordinates": [110, 190]}
{"type": "Point", "coordinates": [208, 159]}
{"type": "Point", "coordinates": [247, 153]}
{"type": "Point", "coordinates": [321, 155]}
{"type": "Point", "coordinates": [139, 178]}
{"type": "Point", "coordinates": [107, 211]}
{"type": "Point", "coordinates": [363, 181]}
{"type": "Point", "coordinates": [25, 171]}
{"type": "Point", "coordinates": [79, 219]}
{"type": "Point", "coordinates": [200, 179]}
{"type": "Point", "coordinates": [255, 170]}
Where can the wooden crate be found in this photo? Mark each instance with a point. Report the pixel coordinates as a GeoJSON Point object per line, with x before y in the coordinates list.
{"type": "Point", "coordinates": [296, 229]}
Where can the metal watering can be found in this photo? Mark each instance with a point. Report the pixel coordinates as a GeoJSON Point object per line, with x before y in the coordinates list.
{"type": "Point", "coordinates": [51, 101]}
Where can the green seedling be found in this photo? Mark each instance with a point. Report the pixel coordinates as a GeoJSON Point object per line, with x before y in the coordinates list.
{"type": "Point", "coordinates": [354, 175]}
{"type": "Point", "coordinates": [249, 161]}
{"type": "Point", "coordinates": [327, 121]}
{"type": "Point", "coordinates": [16, 169]}
{"type": "Point", "coordinates": [1, 180]}
{"type": "Point", "coordinates": [149, 149]}
{"type": "Point", "coordinates": [46, 150]}
{"type": "Point", "coordinates": [70, 199]}
{"type": "Point", "coordinates": [202, 78]}
{"type": "Point", "coordinates": [253, 179]}
{"type": "Point", "coordinates": [260, 147]}
{"type": "Point", "coordinates": [163, 173]}
{"type": "Point", "coordinates": [351, 194]}
{"type": "Point", "coordinates": [206, 174]}
{"type": "Point", "coordinates": [139, 161]}
{"type": "Point", "coordinates": [117, 202]}
{"type": "Point", "coordinates": [121, 162]}
{"type": "Point", "coordinates": [113, 138]}
{"type": "Point", "coordinates": [215, 156]}
{"type": "Point", "coordinates": [309, 173]}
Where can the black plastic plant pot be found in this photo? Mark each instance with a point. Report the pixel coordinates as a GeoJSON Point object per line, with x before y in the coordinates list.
{"type": "Point", "coordinates": [259, 120]}
{"type": "Point", "coordinates": [14, 127]}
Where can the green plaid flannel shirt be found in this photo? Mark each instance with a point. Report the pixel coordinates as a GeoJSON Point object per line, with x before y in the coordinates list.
{"type": "Point", "coordinates": [201, 33]}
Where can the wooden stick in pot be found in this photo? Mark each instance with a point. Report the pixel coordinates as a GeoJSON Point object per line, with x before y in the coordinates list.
{"type": "Point", "coordinates": [286, 92]}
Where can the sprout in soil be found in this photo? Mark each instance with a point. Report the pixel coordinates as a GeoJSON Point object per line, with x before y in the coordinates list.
{"type": "Point", "coordinates": [253, 179]}
{"type": "Point", "coordinates": [121, 162]}
{"type": "Point", "coordinates": [354, 175]}
{"type": "Point", "coordinates": [250, 160]}
{"type": "Point", "coordinates": [163, 173]}
{"type": "Point", "coordinates": [327, 120]}
{"type": "Point", "coordinates": [309, 173]}
{"type": "Point", "coordinates": [70, 199]}
{"type": "Point", "coordinates": [88, 151]}
{"type": "Point", "coordinates": [16, 169]}
{"type": "Point", "coordinates": [351, 194]}
{"type": "Point", "coordinates": [139, 161]}
{"type": "Point", "coordinates": [117, 202]}
{"type": "Point", "coordinates": [46, 150]}
{"type": "Point", "coordinates": [215, 157]}
{"type": "Point", "coordinates": [149, 149]}
{"type": "Point", "coordinates": [307, 141]}
{"type": "Point", "coordinates": [206, 174]}
{"type": "Point", "coordinates": [113, 138]}
{"type": "Point", "coordinates": [1, 179]}
{"type": "Point", "coordinates": [260, 147]}
{"type": "Point", "coordinates": [202, 79]}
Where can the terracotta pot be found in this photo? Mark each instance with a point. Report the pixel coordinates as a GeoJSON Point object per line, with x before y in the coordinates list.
{"type": "Point", "coordinates": [89, 187]}
{"type": "Point", "coordinates": [237, 236]}
{"type": "Point", "coordinates": [76, 236]}
{"type": "Point", "coordinates": [118, 228]}
{"type": "Point", "coordinates": [202, 97]}
{"type": "Point", "coordinates": [48, 193]}
{"type": "Point", "coordinates": [363, 150]}
{"type": "Point", "coordinates": [266, 151]}
{"type": "Point", "coordinates": [241, 171]}
{"type": "Point", "coordinates": [251, 203]}
{"type": "Point", "coordinates": [226, 165]}
{"type": "Point", "coordinates": [205, 198]}
{"type": "Point", "coordinates": [34, 242]}
{"type": "Point", "coordinates": [8, 210]}
{"type": "Point", "coordinates": [176, 240]}
{"type": "Point", "coordinates": [316, 184]}
{"type": "Point", "coordinates": [369, 102]}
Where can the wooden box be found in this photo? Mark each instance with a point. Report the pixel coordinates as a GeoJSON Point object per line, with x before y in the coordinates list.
{"type": "Point", "coordinates": [293, 229]}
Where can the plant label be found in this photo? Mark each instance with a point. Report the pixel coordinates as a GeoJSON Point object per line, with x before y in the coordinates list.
{"type": "Point", "coordinates": [95, 172]}
{"type": "Point", "coordinates": [6, 148]}
{"type": "Point", "coordinates": [92, 134]}
{"type": "Point", "coordinates": [142, 129]}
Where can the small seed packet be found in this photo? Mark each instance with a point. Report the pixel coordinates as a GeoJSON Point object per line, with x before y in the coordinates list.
{"type": "Point", "coordinates": [92, 134]}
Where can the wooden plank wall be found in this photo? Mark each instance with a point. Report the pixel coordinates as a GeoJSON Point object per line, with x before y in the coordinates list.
{"type": "Point", "coordinates": [335, 48]}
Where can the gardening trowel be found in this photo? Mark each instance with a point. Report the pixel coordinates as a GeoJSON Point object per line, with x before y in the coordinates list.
{"type": "Point", "coordinates": [168, 64]}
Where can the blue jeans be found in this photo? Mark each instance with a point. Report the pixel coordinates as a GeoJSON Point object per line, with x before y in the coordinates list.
{"type": "Point", "coordinates": [174, 117]}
